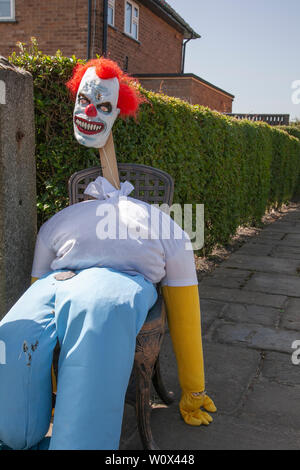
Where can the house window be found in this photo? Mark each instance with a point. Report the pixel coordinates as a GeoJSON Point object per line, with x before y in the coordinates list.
{"type": "Point", "coordinates": [7, 10]}
{"type": "Point", "coordinates": [111, 12]}
{"type": "Point", "coordinates": [132, 19]}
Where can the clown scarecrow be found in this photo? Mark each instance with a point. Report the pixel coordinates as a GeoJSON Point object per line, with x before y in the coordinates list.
{"type": "Point", "coordinates": [96, 267]}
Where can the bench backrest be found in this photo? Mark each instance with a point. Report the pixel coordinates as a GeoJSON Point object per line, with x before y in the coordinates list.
{"type": "Point", "coordinates": [150, 185]}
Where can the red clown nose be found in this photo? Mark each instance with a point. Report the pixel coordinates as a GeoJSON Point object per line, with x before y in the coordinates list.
{"type": "Point", "coordinates": [91, 111]}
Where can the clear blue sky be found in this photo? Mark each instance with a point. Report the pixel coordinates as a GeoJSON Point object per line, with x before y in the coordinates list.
{"type": "Point", "coordinates": [249, 48]}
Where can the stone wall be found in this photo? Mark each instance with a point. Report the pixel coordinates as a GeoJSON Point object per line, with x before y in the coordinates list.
{"type": "Point", "coordinates": [17, 183]}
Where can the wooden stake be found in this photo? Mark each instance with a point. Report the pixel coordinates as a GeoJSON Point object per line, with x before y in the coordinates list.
{"type": "Point", "coordinates": [108, 162]}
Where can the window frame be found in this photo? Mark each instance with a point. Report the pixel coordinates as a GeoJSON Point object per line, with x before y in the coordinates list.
{"type": "Point", "coordinates": [12, 16]}
{"type": "Point", "coordinates": [112, 5]}
{"type": "Point", "coordinates": [134, 19]}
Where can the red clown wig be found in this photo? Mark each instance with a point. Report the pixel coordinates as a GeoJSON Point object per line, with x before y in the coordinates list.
{"type": "Point", "coordinates": [129, 97]}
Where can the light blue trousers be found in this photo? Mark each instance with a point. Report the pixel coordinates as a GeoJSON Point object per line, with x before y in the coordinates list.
{"type": "Point", "coordinates": [96, 316]}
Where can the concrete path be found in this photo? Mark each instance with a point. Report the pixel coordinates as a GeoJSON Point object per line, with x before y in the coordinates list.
{"type": "Point", "coordinates": [251, 316]}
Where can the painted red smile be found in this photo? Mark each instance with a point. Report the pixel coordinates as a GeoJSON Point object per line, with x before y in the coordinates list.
{"type": "Point", "coordinates": [88, 127]}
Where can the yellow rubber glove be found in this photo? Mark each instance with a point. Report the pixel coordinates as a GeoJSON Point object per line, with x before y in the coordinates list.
{"type": "Point", "coordinates": [184, 319]}
{"type": "Point", "coordinates": [33, 279]}
{"type": "Point", "coordinates": [190, 408]}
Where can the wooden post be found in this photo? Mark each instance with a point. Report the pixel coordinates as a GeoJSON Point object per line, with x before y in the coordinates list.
{"type": "Point", "coordinates": [109, 162]}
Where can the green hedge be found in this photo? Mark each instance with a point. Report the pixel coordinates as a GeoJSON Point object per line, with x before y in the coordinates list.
{"type": "Point", "coordinates": [292, 130]}
{"type": "Point", "coordinates": [238, 169]}
{"type": "Point", "coordinates": [295, 132]}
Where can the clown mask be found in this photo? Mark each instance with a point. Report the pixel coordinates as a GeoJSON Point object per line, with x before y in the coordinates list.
{"type": "Point", "coordinates": [96, 109]}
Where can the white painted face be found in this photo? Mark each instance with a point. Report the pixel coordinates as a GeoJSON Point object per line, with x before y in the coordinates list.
{"type": "Point", "coordinates": [96, 109]}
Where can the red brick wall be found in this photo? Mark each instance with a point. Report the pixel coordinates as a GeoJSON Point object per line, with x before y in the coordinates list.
{"type": "Point", "coordinates": [190, 90]}
{"type": "Point", "coordinates": [62, 24]}
{"type": "Point", "coordinates": [208, 96]}
{"type": "Point", "coordinates": [172, 87]}
{"type": "Point", "coordinates": [159, 49]}
{"type": "Point", "coordinates": [57, 24]}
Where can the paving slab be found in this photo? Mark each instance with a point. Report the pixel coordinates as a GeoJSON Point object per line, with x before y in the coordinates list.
{"type": "Point", "coordinates": [272, 403]}
{"type": "Point", "coordinates": [293, 217]}
{"type": "Point", "coordinates": [242, 296]}
{"type": "Point", "coordinates": [284, 227]}
{"type": "Point", "coordinates": [225, 433]}
{"type": "Point", "coordinates": [286, 239]}
{"type": "Point", "coordinates": [255, 336]}
{"type": "Point", "coordinates": [210, 310]}
{"type": "Point", "coordinates": [258, 240]}
{"type": "Point", "coordinates": [269, 234]}
{"type": "Point", "coordinates": [229, 370]}
{"type": "Point", "coordinates": [258, 249]}
{"type": "Point", "coordinates": [278, 368]}
{"type": "Point", "coordinates": [264, 264]}
{"type": "Point", "coordinates": [287, 252]}
{"type": "Point", "coordinates": [274, 283]}
{"type": "Point", "coordinates": [291, 239]}
{"type": "Point", "coordinates": [291, 316]}
{"type": "Point", "coordinates": [223, 277]}
{"type": "Point", "coordinates": [243, 313]}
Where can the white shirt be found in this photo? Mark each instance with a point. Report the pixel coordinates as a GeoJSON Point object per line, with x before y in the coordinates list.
{"type": "Point", "coordinates": [118, 232]}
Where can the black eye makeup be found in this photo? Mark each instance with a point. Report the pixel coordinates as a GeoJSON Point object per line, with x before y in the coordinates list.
{"type": "Point", "coordinates": [83, 100]}
{"type": "Point", "coordinates": [105, 107]}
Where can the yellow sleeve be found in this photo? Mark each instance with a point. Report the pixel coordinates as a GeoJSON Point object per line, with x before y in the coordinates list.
{"type": "Point", "coordinates": [184, 319]}
{"type": "Point", "coordinates": [183, 310]}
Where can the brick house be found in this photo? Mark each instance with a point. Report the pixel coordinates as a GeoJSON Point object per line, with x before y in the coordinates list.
{"type": "Point", "coordinates": [146, 37]}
